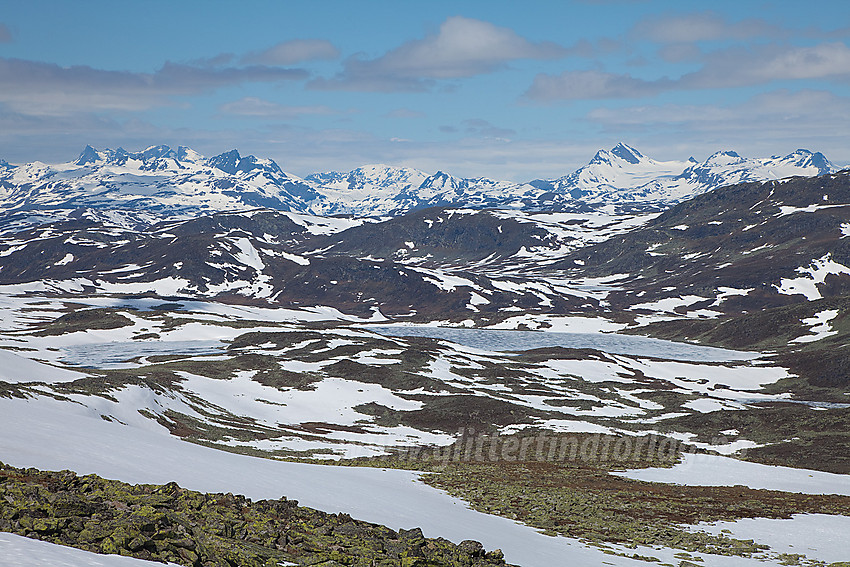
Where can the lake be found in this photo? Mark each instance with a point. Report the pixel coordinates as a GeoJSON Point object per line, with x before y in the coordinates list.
{"type": "Point", "coordinates": [506, 340]}
{"type": "Point", "coordinates": [114, 354]}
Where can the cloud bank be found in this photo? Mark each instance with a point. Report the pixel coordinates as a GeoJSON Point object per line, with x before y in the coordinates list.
{"type": "Point", "coordinates": [462, 47]}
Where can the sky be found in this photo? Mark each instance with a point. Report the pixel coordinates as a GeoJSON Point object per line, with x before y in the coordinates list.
{"type": "Point", "coordinates": [501, 89]}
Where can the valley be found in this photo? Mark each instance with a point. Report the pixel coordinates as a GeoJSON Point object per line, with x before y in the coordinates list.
{"type": "Point", "coordinates": [530, 355]}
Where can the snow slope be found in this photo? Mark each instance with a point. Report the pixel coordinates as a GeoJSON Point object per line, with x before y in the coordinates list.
{"type": "Point", "coordinates": [19, 551]}
{"type": "Point", "coordinates": [713, 470]}
{"type": "Point", "coordinates": [15, 368]}
{"type": "Point", "coordinates": [49, 435]}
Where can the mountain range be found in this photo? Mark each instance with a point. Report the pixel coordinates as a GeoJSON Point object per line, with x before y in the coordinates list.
{"type": "Point", "coordinates": [168, 182]}
{"type": "Point", "coordinates": [166, 316]}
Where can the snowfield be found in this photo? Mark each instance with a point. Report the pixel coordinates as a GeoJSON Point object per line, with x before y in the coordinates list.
{"type": "Point", "coordinates": [18, 551]}
{"type": "Point", "coordinates": [520, 320]}
{"type": "Point", "coordinates": [47, 434]}
{"type": "Point", "coordinates": [15, 368]}
{"type": "Point", "coordinates": [712, 470]}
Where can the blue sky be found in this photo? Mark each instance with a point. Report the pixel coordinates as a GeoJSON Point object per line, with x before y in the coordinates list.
{"type": "Point", "coordinates": [501, 89]}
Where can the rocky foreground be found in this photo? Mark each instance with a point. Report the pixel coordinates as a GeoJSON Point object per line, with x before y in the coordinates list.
{"type": "Point", "coordinates": [172, 524]}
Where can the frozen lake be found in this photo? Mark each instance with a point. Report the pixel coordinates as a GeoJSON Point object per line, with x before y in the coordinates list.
{"type": "Point", "coordinates": [112, 354]}
{"type": "Point", "coordinates": [506, 340]}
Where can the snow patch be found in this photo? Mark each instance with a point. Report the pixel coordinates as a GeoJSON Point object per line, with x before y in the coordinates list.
{"type": "Point", "coordinates": [712, 470]}
{"type": "Point", "coordinates": [20, 551]}
{"type": "Point", "coordinates": [819, 327]}
{"type": "Point", "coordinates": [67, 259]}
{"type": "Point", "coordinates": [815, 273]}
{"type": "Point", "coordinates": [247, 254]}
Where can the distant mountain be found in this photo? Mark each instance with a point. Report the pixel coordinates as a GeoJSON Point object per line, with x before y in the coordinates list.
{"type": "Point", "coordinates": [167, 182]}
{"type": "Point", "coordinates": [740, 249]}
{"type": "Point", "coordinates": [625, 179]}
{"type": "Point", "coordinates": [158, 179]}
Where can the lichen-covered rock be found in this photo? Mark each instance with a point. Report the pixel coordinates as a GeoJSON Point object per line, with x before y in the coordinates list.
{"type": "Point", "coordinates": [171, 524]}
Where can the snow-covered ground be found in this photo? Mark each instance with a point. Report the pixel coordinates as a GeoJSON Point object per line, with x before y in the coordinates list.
{"type": "Point", "coordinates": [18, 551]}
{"type": "Point", "coordinates": [15, 368]}
{"type": "Point", "coordinates": [49, 435]}
{"type": "Point", "coordinates": [817, 536]}
{"type": "Point", "coordinates": [713, 470]}
{"type": "Point", "coordinates": [201, 330]}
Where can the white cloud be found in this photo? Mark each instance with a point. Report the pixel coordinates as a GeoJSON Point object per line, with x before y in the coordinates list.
{"type": "Point", "coordinates": [463, 47]}
{"type": "Point", "coordinates": [260, 108]}
{"type": "Point", "coordinates": [579, 85]}
{"type": "Point", "coordinates": [728, 68]}
{"type": "Point", "coordinates": [293, 51]}
{"type": "Point", "coordinates": [739, 66]}
{"type": "Point", "coordinates": [766, 124]}
{"type": "Point", "coordinates": [705, 26]}
{"type": "Point", "coordinates": [824, 60]}
{"type": "Point", "coordinates": [38, 88]}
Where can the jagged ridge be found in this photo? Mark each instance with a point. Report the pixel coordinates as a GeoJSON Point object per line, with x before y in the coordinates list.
{"type": "Point", "coordinates": [182, 181]}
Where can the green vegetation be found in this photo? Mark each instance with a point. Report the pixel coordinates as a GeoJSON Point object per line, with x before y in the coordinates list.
{"type": "Point", "coordinates": [169, 523]}
{"type": "Point", "coordinates": [578, 496]}
{"type": "Point", "coordinates": [795, 434]}
{"type": "Point", "coordinates": [84, 320]}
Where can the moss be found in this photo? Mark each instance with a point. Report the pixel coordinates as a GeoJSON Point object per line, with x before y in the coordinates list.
{"type": "Point", "coordinates": [590, 504]}
{"type": "Point", "coordinates": [796, 435]}
{"type": "Point", "coordinates": [84, 320]}
{"type": "Point", "coordinates": [172, 524]}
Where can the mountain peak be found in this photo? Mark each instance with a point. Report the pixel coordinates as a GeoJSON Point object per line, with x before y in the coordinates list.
{"type": "Point", "coordinates": [627, 153]}
{"type": "Point", "coordinates": [227, 162]}
{"type": "Point", "coordinates": [185, 153]}
{"type": "Point", "coordinates": [806, 158]}
{"type": "Point", "coordinates": [621, 151]}
{"type": "Point", "coordinates": [725, 153]}
{"type": "Point", "coordinates": [87, 156]}
{"type": "Point", "coordinates": [156, 152]}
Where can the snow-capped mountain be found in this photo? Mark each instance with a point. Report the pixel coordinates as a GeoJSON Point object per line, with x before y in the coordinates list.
{"type": "Point", "coordinates": [367, 190]}
{"type": "Point", "coordinates": [158, 179]}
{"type": "Point", "coordinates": [249, 332]}
{"type": "Point", "coordinates": [623, 170]}
{"type": "Point", "coordinates": [375, 190]}
{"type": "Point", "coordinates": [183, 183]}
{"type": "Point", "coordinates": [620, 179]}
{"type": "Point", "coordinates": [623, 178]}
{"type": "Point", "coordinates": [728, 167]}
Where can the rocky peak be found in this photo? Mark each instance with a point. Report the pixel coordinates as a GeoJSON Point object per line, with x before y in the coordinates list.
{"type": "Point", "coordinates": [87, 156]}
{"type": "Point", "coordinates": [627, 153]}
{"type": "Point", "coordinates": [227, 162]}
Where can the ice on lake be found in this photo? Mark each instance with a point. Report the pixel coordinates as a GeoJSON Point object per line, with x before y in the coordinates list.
{"type": "Point", "coordinates": [509, 340]}
{"type": "Point", "coordinates": [117, 353]}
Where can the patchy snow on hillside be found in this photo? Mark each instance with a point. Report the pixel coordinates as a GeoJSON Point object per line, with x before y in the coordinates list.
{"type": "Point", "coordinates": [713, 470]}
{"type": "Point", "coordinates": [819, 327]}
{"type": "Point", "coordinates": [815, 273]}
